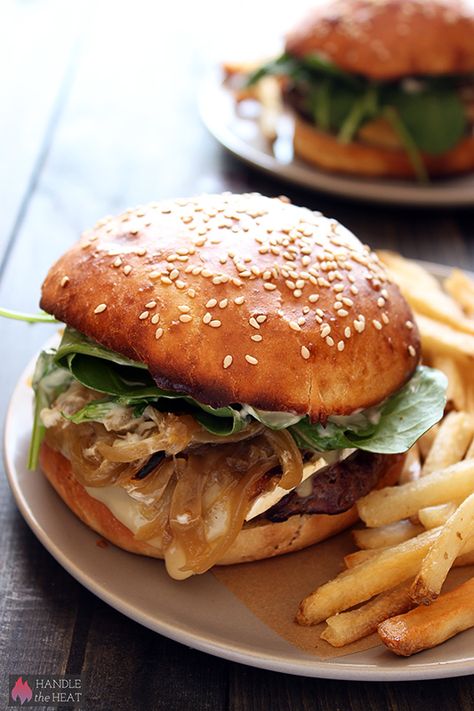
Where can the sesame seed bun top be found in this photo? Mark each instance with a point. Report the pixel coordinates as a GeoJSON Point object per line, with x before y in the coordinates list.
{"type": "Point", "coordinates": [240, 299]}
{"type": "Point", "coordinates": [389, 39]}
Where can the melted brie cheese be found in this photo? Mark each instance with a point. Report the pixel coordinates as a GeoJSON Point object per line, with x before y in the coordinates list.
{"type": "Point", "coordinates": [270, 498]}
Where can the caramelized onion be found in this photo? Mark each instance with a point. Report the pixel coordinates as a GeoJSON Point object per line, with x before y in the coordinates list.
{"type": "Point", "coordinates": [289, 456]}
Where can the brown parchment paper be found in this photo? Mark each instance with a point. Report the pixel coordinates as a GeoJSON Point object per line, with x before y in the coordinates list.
{"type": "Point", "coordinates": [272, 590]}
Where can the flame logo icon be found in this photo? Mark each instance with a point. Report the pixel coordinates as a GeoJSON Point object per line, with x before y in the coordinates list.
{"type": "Point", "coordinates": [22, 691]}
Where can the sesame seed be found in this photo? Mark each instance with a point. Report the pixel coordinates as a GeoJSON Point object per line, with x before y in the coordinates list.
{"type": "Point", "coordinates": [343, 312]}
{"type": "Point", "coordinates": [127, 269]}
{"type": "Point", "coordinates": [340, 346]}
{"type": "Point", "coordinates": [254, 323]}
{"type": "Point", "coordinates": [64, 280]}
{"type": "Point", "coordinates": [337, 305]}
{"type": "Point", "coordinates": [150, 305]}
{"type": "Point", "coordinates": [297, 293]}
{"type": "Point", "coordinates": [174, 274]}
{"type": "Point", "coordinates": [211, 303]}
{"type": "Point", "coordinates": [305, 352]}
{"type": "Point", "coordinates": [325, 330]}
{"type": "Point", "coordinates": [158, 333]}
{"type": "Point", "coordinates": [185, 318]}
{"type": "Point", "coordinates": [100, 308]}
{"type": "Point", "coordinates": [144, 315]}
{"type": "Point", "coordinates": [239, 300]}
{"type": "Point", "coordinates": [261, 318]}
{"type": "Point", "coordinates": [269, 287]}
{"type": "Point", "coordinates": [141, 252]}
{"type": "Point", "coordinates": [165, 280]}
{"type": "Point", "coordinates": [154, 274]}
{"type": "Point", "coordinates": [207, 318]}
{"type": "Point", "coordinates": [300, 284]}
{"type": "Point", "coordinates": [409, 324]}
{"type": "Point", "coordinates": [354, 290]}
{"type": "Point", "coordinates": [223, 303]}
{"type": "Point", "coordinates": [384, 293]}
{"type": "Point", "coordinates": [338, 287]}
{"type": "Point", "coordinates": [329, 341]}
{"type": "Point", "coordinates": [215, 324]}
{"type": "Point", "coordinates": [313, 298]}
{"type": "Point", "coordinates": [359, 326]}
{"type": "Point", "coordinates": [301, 321]}
{"type": "Point", "coordinates": [294, 325]}
{"type": "Point", "coordinates": [381, 302]}
{"type": "Point", "coordinates": [377, 324]}
{"type": "Point", "coordinates": [180, 284]}
{"type": "Point", "coordinates": [251, 359]}
{"type": "Point", "coordinates": [385, 318]}
{"type": "Point", "coordinates": [184, 309]}
{"type": "Point", "coordinates": [227, 362]}
{"type": "Point", "coordinates": [117, 262]}
{"type": "Point", "coordinates": [192, 293]}
{"type": "Point", "coordinates": [348, 302]}
{"type": "Point", "coordinates": [411, 351]}
{"type": "Point", "coordinates": [347, 332]}
{"type": "Point", "coordinates": [155, 318]}
{"type": "Point", "coordinates": [257, 337]}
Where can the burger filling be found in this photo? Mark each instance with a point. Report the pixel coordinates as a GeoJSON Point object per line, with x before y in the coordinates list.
{"type": "Point", "coordinates": [423, 114]}
{"type": "Point", "coordinates": [185, 476]}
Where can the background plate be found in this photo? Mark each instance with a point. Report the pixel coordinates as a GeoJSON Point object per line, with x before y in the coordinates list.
{"type": "Point", "coordinates": [200, 611]}
{"type": "Point", "coordinates": [242, 137]}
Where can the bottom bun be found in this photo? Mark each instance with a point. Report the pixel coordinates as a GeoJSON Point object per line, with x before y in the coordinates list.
{"type": "Point", "coordinates": [256, 540]}
{"type": "Point", "coordinates": [325, 151]}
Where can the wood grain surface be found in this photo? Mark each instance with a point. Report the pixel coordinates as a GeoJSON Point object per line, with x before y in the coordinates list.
{"type": "Point", "coordinates": [99, 113]}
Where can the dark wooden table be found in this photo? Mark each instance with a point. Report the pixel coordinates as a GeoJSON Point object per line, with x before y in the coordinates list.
{"type": "Point", "coordinates": [98, 112]}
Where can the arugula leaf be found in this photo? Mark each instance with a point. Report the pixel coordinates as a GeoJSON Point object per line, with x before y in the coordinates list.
{"type": "Point", "coordinates": [434, 117]}
{"type": "Point", "coordinates": [130, 383]}
{"type": "Point", "coordinates": [363, 108]}
{"type": "Point", "coordinates": [41, 317]}
{"type": "Point", "coordinates": [404, 417]}
{"type": "Point", "coordinates": [49, 381]}
{"type": "Point", "coordinates": [408, 143]}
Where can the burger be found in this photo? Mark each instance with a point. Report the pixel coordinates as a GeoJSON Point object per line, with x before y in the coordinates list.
{"type": "Point", "coordinates": [234, 373]}
{"type": "Point", "coordinates": [382, 87]}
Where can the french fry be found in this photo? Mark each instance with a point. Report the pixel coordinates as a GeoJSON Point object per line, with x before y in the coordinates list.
{"type": "Point", "coordinates": [397, 502]}
{"type": "Point", "coordinates": [426, 441]}
{"type": "Point", "coordinates": [426, 626]}
{"type": "Point", "coordinates": [451, 442]}
{"type": "Point", "coordinates": [411, 466]}
{"type": "Point", "coordinates": [440, 338]}
{"type": "Point", "coordinates": [424, 294]}
{"type": "Point", "coordinates": [358, 557]}
{"type": "Point", "coordinates": [347, 627]}
{"type": "Point", "coordinates": [454, 535]}
{"type": "Point", "coordinates": [454, 374]}
{"type": "Point", "coordinates": [380, 572]}
{"type": "Point", "coordinates": [470, 451]}
{"type": "Point", "coordinates": [461, 288]}
{"type": "Point", "coordinates": [385, 536]}
{"type": "Point", "coordinates": [434, 516]}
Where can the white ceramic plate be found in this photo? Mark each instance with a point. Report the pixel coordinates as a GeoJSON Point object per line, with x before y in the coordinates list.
{"type": "Point", "coordinates": [200, 611]}
{"type": "Point", "coordinates": [240, 134]}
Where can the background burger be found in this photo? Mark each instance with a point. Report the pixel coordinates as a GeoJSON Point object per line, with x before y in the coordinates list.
{"type": "Point", "coordinates": [234, 373]}
{"type": "Point", "coordinates": [382, 87]}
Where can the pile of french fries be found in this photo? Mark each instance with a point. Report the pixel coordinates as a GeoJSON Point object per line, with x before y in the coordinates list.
{"type": "Point", "coordinates": [420, 529]}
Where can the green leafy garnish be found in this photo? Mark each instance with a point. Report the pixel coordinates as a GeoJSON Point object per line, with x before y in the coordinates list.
{"type": "Point", "coordinates": [400, 420]}
{"type": "Point", "coordinates": [41, 317]}
{"type": "Point", "coordinates": [49, 381]}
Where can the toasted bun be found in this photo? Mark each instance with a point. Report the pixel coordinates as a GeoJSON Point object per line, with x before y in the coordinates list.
{"type": "Point", "coordinates": [389, 39]}
{"type": "Point", "coordinates": [241, 298]}
{"type": "Point", "coordinates": [254, 542]}
{"type": "Point", "coordinates": [325, 151]}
